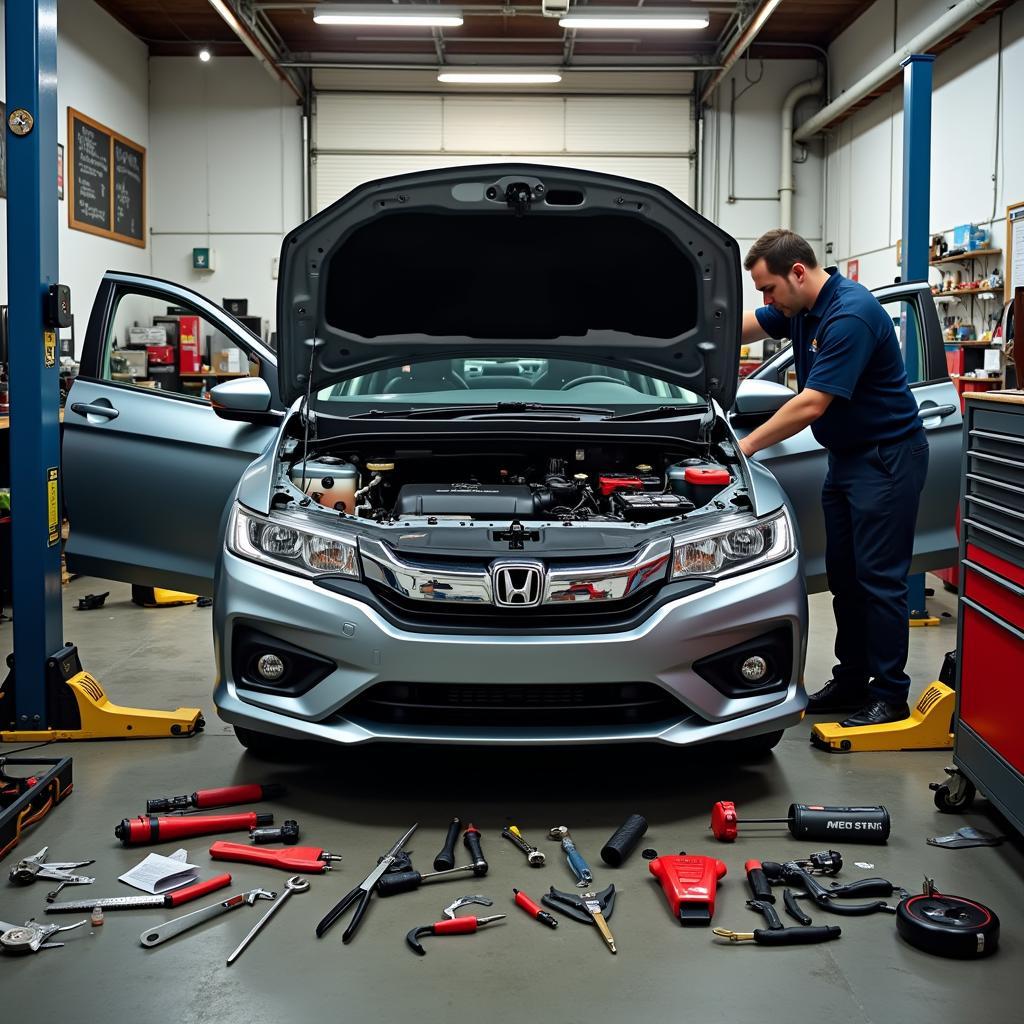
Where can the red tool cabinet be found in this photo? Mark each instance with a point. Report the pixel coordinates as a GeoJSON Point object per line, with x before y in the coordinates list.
{"type": "Point", "coordinates": [990, 666]}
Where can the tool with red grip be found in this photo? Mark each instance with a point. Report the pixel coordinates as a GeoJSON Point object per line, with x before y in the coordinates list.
{"type": "Point", "coordinates": [306, 859]}
{"type": "Point", "coordinates": [760, 887]}
{"type": "Point", "coordinates": [810, 821]}
{"type": "Point", "coordinates": [225, 796]}
{"type": "Point", "coordinates": [155, 829]}
{"type": "Point", "coordinates": [690, 884]}
{"type": "Point", "coordinates": [168, 899]}
{"type": "Point", "coordinates": [534, 910]}
{"type": "Point", "coordinates": [449, 926]}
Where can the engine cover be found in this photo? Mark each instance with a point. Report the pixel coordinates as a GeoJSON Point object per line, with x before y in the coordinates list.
{"type": "Point", "coordinates": [472, 500]}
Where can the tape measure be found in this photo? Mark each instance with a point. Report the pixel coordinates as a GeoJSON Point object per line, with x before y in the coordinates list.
{"type": "Point", "coordinates": [948, 926]}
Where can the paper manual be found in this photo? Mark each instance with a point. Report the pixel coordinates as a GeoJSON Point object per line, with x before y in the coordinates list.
{"type": "Point", "coordinates": [157, 874]}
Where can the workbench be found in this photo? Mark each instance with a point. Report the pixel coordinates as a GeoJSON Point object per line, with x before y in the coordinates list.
{"type": "Point", "coordinates": [989, 725]}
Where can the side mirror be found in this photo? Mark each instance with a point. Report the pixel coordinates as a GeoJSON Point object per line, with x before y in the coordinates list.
{"type": "Point", "coordinates": [246, 399]}
{"type": "Point", "coordinates": [759, 399]}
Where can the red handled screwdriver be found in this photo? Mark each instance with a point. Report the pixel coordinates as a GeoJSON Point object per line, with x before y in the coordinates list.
{"type": "Point", "coordinates": [168, 899]}
{"type": "Point", "coordinates": [307, 859]}
{"type": "Point", "coordinates": [154, 829]}
{"type": "Point", "coordinates": [225, 796]}
{"type": "Point", "coordinates": [524, 901]}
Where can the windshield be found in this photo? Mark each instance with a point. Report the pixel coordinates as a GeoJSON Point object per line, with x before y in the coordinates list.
{"type": "Point", "coordinates": [525, 379]}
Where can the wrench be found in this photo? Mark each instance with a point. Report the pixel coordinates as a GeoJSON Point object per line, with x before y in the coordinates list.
{"type": "Point", "coordinates": [167, 930]}
{"type": "Point", "coordinates": [294, 884]}
{"type": "Point", "coordinates": [465, 901]}
{"type": "Point", "coordinates": [577, 864]}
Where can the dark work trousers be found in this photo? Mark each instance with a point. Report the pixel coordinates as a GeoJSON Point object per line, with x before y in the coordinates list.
{"type": "Point", "coordinates": [870, 500]}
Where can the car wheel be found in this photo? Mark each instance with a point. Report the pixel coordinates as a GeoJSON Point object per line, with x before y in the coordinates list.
{"type": "Point", "coordinates": [753, 748]}
{"type": "Point", "coordinates": [267, 747]}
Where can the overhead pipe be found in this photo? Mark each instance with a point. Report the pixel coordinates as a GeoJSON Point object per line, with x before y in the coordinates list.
{"type": "Point", "coordinates": [253, 44]}
{"type": "Point", "coordinates": [812, 87]}
{"type": "Point", "coordinates": [937, 31]}
{"type": "Point", "coordinates": [747, 36]}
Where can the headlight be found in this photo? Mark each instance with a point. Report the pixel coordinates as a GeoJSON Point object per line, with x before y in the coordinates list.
{"type": "Point", "coordinates": [280, 542]}
{"type": "Point", "coordinates": [739, 549]}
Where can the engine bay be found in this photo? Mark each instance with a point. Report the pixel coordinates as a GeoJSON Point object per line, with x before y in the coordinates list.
{"type": "Point", "coordinates": [559, 480]}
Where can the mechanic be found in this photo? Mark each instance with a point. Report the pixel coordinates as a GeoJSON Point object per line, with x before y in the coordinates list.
{"type": "Point", "coordinates": [853, 393]}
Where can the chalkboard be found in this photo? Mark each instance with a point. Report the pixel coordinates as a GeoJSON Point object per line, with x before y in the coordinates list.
{"type": "Point", "coordinates": [90, 174]}
{"type": "Point", "coordinates": [107, 181]}
{"type": "Point", "coordinates": [129, 191]}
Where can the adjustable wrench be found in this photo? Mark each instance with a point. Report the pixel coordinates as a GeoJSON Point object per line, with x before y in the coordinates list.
{"type": "Point", "coordinates": [154, 936]}
{"type": "Point", "coordinates": [577, 864]}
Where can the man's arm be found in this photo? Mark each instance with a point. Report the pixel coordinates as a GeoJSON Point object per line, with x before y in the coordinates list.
{"type": "Point", "coordinates": [796, 414]}
{"type": "Point", "coordinates": [752, 329]}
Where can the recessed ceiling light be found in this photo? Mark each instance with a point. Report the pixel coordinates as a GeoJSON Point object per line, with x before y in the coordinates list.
{"type": "Point", "coordinates": [499, 77]}
{"type": "Point", "coordinates": [204, 55]}
{"type": "Point", "coordinates": [384, 14]}
{"type": "Point", "coordinates": [642, 18]}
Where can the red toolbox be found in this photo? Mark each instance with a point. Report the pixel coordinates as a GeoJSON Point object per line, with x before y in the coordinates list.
{"type": "Point", "coordinates": [160, 355]}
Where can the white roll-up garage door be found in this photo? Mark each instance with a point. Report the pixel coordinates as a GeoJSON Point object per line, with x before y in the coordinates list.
{"type": "Point", "coordinates": [362, 136]}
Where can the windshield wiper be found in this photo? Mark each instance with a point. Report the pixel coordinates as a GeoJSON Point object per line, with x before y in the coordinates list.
{"type": "Point", "coordinates": [663, 411]}
{"type": "Point", "coordinates": [454, 411]}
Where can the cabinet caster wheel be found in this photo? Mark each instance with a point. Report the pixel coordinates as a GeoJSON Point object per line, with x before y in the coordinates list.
{"type": "Point", "coordinates": [955, 797]}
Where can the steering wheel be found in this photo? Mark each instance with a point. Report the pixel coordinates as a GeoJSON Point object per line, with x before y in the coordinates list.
{"type": "Point", "coordinates": [593, 378]}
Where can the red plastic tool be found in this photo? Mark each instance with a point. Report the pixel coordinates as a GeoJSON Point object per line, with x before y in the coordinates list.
{"type": "Point", "coordinates": [304, 859]}
{"type": "Point", "coordinates": [225, 796]}
{"type": "Point", "coordinates": [449, 926]}
{"type": "Point", "coordinates": [154, 829]}
{"type": "Point", "coordinates": [534, 910]}
{"type": "Point", "coordinates": [690, 885]}
{"type": "Point", "coordinates": [170, 899]}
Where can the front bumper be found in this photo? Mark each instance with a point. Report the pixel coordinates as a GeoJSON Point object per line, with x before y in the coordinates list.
{"type": "Point", "coordinates": [366, 649]}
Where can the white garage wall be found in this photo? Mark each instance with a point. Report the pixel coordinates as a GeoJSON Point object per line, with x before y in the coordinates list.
{"type": "Point", "coordinates": [758, 156]}
{"type": "Point", "coordinates": [225, 172]}
{"type": "Point", "coordinates": [865, 153]}
{"type": "Point", "coordinates": [101, 71]}
{"type": "Point", "coordinates": [362, 136]}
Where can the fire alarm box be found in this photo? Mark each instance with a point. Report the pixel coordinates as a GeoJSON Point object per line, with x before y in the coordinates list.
{"type": "Point", "coordinates": [189, 354]}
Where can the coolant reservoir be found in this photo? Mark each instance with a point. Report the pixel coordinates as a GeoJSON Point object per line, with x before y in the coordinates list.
{"type": "Point", "coordinates": [330, 481]}
{"type": "Point", "coordinates": [699, 481]}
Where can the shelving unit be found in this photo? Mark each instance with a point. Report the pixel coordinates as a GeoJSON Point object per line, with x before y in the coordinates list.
{"type": "Point", "coordinates": [963, 291]}
{"type": "Point", "coordinates": [965, 257]}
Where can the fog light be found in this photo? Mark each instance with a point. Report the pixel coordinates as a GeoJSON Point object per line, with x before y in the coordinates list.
{"type": "Point", "coordinates": [754, 669]}
{"type": "Point", "coordinates": [270, 667]}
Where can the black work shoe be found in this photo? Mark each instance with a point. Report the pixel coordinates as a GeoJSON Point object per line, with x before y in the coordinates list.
{"type": "Point", "coordinates": [878, 712]}
{"type": "Point", "coordinates": [836, 696]}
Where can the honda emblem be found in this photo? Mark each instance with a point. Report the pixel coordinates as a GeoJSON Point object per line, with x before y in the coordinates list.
{"type": "Point", "coordinates": [517, 584]}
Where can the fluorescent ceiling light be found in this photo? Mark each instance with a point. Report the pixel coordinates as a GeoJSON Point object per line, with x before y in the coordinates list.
{"type": "Point", "coordinates": [383, 14]}
{"type": "Point", "coordinates": [499, 77]}
{"type": "Point", "coordinates": [665, 18]}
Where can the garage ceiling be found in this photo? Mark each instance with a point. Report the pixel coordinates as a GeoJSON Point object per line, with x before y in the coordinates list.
{"type": "Point", "coordinates": [493, 31]}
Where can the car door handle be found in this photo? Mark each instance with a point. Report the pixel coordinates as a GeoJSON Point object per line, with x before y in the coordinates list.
{"type": "Point", "coordinates": [930, 412]}
{"type": "Point", "coordinates": [106, 411]}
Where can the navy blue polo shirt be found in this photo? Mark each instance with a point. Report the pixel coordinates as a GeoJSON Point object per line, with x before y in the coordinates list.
{"type": "Point", "coordinates": [845, 345]}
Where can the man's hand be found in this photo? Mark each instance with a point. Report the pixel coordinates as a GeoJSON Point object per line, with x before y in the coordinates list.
{"type": "Point", "coordinates": [796, 414]}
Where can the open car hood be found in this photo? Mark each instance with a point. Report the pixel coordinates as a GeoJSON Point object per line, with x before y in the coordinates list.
{"type": "Point", "coordinates": [509, 260]}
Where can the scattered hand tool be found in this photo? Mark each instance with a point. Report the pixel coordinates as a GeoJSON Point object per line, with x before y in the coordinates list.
{"type": "Point", "coordinates": [445, 860]}
{"type": "Point", "coordinates": [465, 901]}
{"type": "Point", "coordinates": [451, 925]}
{"type": "Point", "coordinates": [222, 797]}
{"type": "Point", "coordinates": [524, 901]}
{"type": "Point", "coordinates": [792, 873]}
{"type": "Point", "coordinates": [794, 909]}
{"type": "Point", "coordinates": [948, 926]}
{"type": "Point", "coordinates": [294, 884]}
{"type": "Point", "coordinates": [168, 899]}
{"type": "Point", "coordinates": [471, 841]}
{"type": "Point", "coordinates": [533, 856]}
{"type": "Point", "coordinates": [288, 833]}
{"type": "Point", "coordinates": [395, 882]}
{"type": "Point", "coordinates": [577, 864]}
{"type": "Point", "coordinates": [768, 911]}
{"type": "Point", "coordinates": [30, 937]}
{"type": "Point", "coordinates": [590, 908]}
{"type": "Point", "coordinates": [810, 821]}
{"type": "Point", "coordinates": [760, 887]}
{"type": "Point", "coordinates": [361, 893]}
{"type": "Point", "coordinates": [26, 871]}
{"type": "Point", "coordinates": [169, 929]}
{"type": "Point", "coordinates": [690, 884]}
{"type": "Point", "coordinates": [783, 936]}
{"type": "Point", "coordinates": [91, 602]}
{"type": "Point", "coordinates": [624, 840]}
{"type": "Point", "coordinates": [153, 829]}
{"type": "Point", "coordinates": [311, 860]}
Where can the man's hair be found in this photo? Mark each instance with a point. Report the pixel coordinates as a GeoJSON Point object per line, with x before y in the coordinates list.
{"type": "Point", "coordinates": [780, 249]}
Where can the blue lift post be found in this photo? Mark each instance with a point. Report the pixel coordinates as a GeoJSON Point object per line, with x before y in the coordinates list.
{"type": "Point", "coordinates": [31, 41]}
{"type": "Point", "coordinates": [47, 695]}
{"type": "Point", "coordinates": [917, 159]}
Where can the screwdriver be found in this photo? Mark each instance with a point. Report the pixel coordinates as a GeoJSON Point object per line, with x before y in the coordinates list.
{"type": "Point", "coordinates": [308, 859]}
{"type": "Point", "coordinates": [524, 901]}
{"type": "Point", "coordinates": [169, 899]}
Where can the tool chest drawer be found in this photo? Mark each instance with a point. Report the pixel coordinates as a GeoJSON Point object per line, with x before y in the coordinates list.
{"type": "Point", "coordinates": [990, 663]}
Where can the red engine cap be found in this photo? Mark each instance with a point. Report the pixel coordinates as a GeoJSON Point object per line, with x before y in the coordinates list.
{"type": "Point", "coordinates": [707, 475]}
{"type": "Point", "coordinates": [724, 825]}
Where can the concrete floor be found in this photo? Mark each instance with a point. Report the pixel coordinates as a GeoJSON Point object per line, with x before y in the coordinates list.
{"type": "Point", "coordinates": [358, 802]}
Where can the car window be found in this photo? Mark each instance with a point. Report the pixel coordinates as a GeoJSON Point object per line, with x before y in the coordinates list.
{"type": "Point", "coordinates": [151, 344]}
{"type": "Point", "coordinates": [519, 379]}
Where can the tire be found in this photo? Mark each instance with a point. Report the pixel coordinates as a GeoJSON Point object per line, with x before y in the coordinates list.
{"type": "Point", "coordinates": [267, 747]}
{"type": "Point", "coordinates": [948, 804]}
{"type": "Point", "coordinates": [753, 748]}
